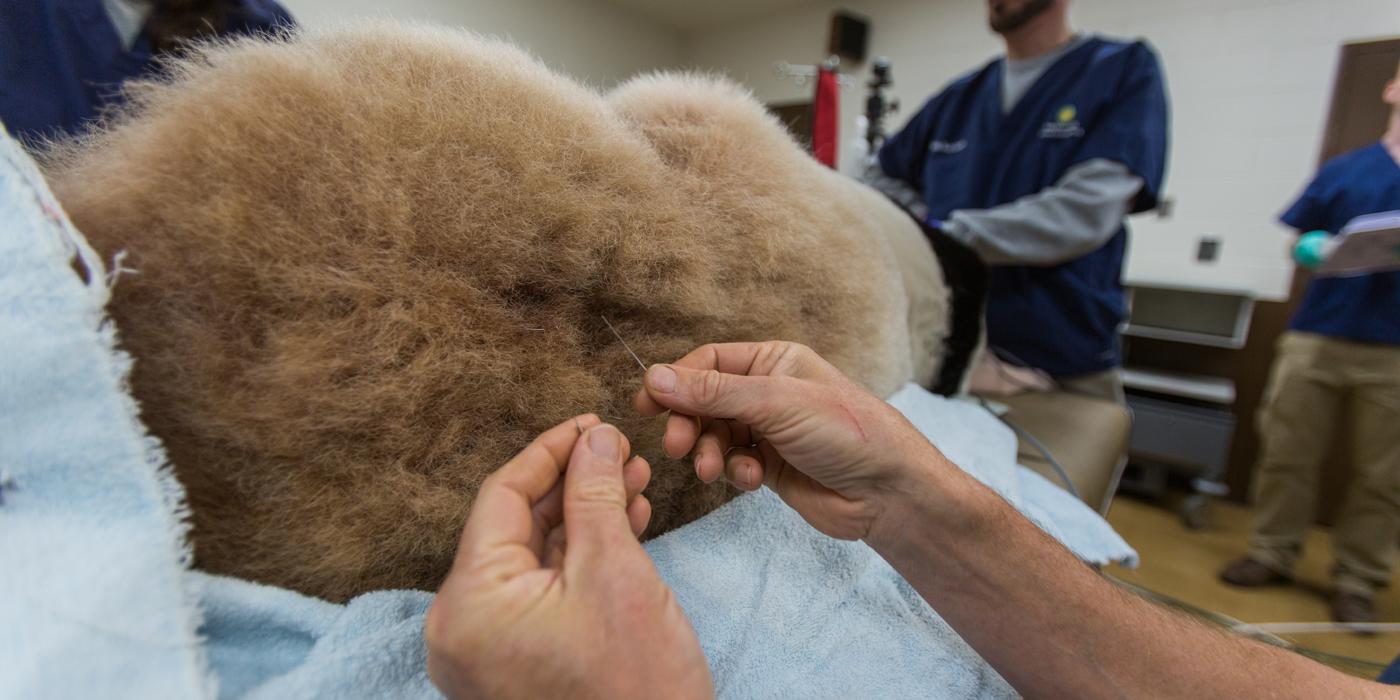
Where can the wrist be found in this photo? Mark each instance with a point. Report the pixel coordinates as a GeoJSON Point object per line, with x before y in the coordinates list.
{"type": "Point", "coordinates": [926, 498]}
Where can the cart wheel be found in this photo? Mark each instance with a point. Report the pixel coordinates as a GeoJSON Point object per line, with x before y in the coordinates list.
{"type": "Point", "coordinates": [1195, 511]}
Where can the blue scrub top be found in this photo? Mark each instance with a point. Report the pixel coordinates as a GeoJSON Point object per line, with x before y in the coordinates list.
{"type": "Point", "coordinates": [1105, 99]}
{"type": "Point", "coordinates": [1365, 308]}
{"type": "Point", "coordinates": [61, 61]}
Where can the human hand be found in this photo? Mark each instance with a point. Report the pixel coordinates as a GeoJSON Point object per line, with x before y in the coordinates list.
{"type": "Point", "coordinates": [776, 413]}
{"type": "Point", "coordinates": [551, 595]}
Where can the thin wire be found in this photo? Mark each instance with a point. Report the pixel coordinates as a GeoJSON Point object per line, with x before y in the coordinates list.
{"type": "Point", "coordinates": [625, 346]}
{"type": "Point", "coordinates": [1362, 668]}
{"type": "Point", "coordinates": [699, 424]}
{"type": "Point", "coordinates": [1252, 629]}
{"type": "Point", "coordinates": [1044, 451]}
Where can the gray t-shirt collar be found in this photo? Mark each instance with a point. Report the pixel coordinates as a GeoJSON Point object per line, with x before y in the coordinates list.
{"type": "Point", "coordinates": [1018, 76]}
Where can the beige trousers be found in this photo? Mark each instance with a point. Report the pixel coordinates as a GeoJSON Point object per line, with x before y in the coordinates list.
{"type": "Point", "coordinates": [1100, 385]}
{"type": "Point", "coordinates": [1088, 436]}
{"type": "Point", "coordinates": [1313, 378]}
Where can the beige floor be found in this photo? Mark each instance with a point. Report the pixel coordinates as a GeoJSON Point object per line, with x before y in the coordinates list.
{"type": "Point", "coordinates": [1182, 564]}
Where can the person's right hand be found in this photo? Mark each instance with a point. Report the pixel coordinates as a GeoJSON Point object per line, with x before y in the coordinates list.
{"type": "Point", "coordinates": [776, 413]}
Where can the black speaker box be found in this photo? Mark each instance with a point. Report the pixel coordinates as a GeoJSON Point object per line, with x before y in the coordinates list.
{"type": "Point", "coordinates": [849, 35]}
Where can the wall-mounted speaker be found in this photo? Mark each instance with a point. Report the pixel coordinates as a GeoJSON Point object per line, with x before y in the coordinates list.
{"type": "Point", "coordinates": [850, 34]}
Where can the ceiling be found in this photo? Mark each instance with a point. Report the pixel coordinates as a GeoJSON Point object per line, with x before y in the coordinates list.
{"type": "Point", "coordinates": [693, 15]}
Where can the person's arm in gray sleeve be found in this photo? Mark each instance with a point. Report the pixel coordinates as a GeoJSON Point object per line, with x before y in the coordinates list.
{"type": "Point", "coordinates": [1070, 219]}
{"type": "Point", "coordinates": [896, 189]}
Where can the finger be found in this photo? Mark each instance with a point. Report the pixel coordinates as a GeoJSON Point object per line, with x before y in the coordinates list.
{"type": "Point", "coordinates": [710, 450]}
{"type": "Point", "coordinates": [536, 469]}
{"type": "Point", "coordinates": [681, 433]}
{"type": "Point", "coordinates": [743, 467]}
{"type": "Point", "coordinates": [794, 487]}
{"type": "Point", "coordinates": [595, 497]}
{"type": "Point", "coordinates": [549, 510]}
{"type": "Point", "coordinates": [749, 359]}
{"type": "Point", "coordinates": [763, 358]}
{"type": "Point", "coordinates": [712, 393]}
{"type": "Point", "coordinates": [636, 474]}
{"type": "Point", "coordinates": [638, 515]}
{"type": "Point", "coordinates": [555, 545]}
{"type": "Point", "coordinates": [503, 513]}
{"type": "Point", "coordinates": [549, 514]}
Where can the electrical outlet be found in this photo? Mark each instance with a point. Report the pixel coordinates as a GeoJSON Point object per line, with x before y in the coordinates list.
{"type": "Point", "coordinates": [1207, 249]}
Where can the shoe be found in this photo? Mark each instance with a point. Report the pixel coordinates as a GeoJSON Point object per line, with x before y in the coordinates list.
{"type": "Point", "coordinates": [1250, 573]}
{"type": "Point", "coordinates": [1353, 607]}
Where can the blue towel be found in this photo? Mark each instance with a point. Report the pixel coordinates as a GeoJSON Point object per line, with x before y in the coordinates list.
{"type": "Point", "coordinates": [790, 613]}
{"type": "Point", "coordinates": [94, 597]}
{"type": "Point", "coordinates": [98, 601]}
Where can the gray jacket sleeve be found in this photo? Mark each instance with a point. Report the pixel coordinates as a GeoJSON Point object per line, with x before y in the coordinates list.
{"type": "Point", "coordinates": [1069, 219]}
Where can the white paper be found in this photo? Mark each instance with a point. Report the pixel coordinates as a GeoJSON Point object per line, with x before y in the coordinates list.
{"type": "Point", "coordinates": [1367, 245]}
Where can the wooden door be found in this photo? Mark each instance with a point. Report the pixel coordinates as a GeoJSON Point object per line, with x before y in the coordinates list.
{"type": "Point", "coordinates": [1358, 117]}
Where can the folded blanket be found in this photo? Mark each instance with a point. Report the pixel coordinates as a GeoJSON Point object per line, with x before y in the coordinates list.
{"type": "Point", "coordinates": [98, 602]}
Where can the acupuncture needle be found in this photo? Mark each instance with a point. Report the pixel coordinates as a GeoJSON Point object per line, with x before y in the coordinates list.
{"type": "Point", "coordinates": [699, 426]}
{"type": "Point", "coordinates": [625, 346]}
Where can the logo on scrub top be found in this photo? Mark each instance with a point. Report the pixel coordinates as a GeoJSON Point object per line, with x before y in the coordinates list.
{"type": "Point", "coordinates": [949, 147]}
{"type": "Point", "coordinates": [1065, 125]}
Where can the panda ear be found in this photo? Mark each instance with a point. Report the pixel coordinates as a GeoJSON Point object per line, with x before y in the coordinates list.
{"type": "Point", "coordinates": [966, 276]}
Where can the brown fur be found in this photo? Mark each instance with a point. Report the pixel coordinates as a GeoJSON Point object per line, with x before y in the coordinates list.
{"type": "Point", "coordinates": [372, 264]}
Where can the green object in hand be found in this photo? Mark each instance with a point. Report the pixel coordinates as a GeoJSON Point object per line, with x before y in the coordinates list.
{"type": "Point", "coordinates": [1311, 249]}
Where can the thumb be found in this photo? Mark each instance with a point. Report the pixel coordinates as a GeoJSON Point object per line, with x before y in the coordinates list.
{"type": "Point", "coordinates": [595, 497]}
{"type": "Point", "coordinates": [710, 393]}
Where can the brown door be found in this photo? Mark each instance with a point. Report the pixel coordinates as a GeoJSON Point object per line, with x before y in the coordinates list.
{"type": "Point", "coordinates": [1358, 116]}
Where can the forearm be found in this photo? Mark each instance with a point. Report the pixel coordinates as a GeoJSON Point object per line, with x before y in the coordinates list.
{"type": "Point", "coordinates": [1052, 626]}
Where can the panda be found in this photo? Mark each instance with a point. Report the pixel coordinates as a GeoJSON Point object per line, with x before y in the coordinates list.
{"type": "Point", "coordinates": [370, 263]}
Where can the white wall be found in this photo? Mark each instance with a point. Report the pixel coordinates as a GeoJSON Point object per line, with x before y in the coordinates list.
{"type": "Point", "coordinates": [1250, 84]}
{"type": "Point", "coordinates": [591, 39]}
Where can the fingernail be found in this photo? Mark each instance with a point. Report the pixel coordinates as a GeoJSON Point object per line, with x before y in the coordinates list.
{"type": "Point", "coordinates": [662, 379]}
{"type": "Point", "coordinates": [748, 474]}
{"type": "Point", "coordinates": [605, 442]}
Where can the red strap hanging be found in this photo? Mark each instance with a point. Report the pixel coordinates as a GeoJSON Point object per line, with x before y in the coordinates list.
{"type": "Point", "coordinates": [825, 115]}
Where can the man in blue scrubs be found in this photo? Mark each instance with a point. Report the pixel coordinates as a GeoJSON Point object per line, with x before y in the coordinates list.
{"type": "Point", "coordinates": [1342, 349]}
{"type": "Point", "coordinates": [1034, 161]}
{"type": "Point", "coordinates": [63, 61]}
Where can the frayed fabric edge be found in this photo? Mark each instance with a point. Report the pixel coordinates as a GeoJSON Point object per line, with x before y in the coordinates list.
{"type": "Point", "coordinates": [75, 248]}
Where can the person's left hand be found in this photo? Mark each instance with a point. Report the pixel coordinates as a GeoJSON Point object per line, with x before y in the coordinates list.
{"type": "Point", "coordinates": [551, 595]}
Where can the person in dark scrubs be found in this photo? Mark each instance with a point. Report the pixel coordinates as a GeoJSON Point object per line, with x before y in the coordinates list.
{"type": "Point", "coordinates": [1341, 349]}
{"type": "Point", "coordinates": [1035, 160]}
{"type": "Point", "coordinates": [63, 61]}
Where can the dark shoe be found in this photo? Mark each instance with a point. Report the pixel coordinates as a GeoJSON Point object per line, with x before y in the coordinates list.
{"type": "Point", "coordinates": [1353, 607]}
{"type": "Point", "coordinates": [1250, 573]}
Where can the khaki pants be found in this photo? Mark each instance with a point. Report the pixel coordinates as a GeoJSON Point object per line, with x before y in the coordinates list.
{"type": "Point", "coordinates": [1083, 423]}
{"type": "Point", "coordinates": [1313, 378]}
{"type": "Point", "coordinates": [1100, 385]}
